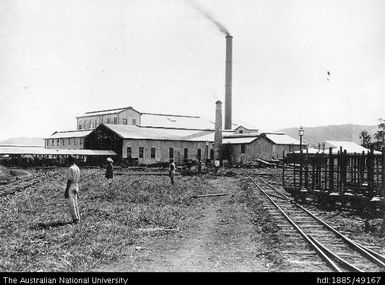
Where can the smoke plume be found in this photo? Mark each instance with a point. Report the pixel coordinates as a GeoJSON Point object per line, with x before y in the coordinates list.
{"type": "Point", "coordinates": [209, 17]}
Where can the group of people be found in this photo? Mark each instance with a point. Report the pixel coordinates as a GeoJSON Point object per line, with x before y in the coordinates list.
{"type": "Point", "coordinates": [73, 178]}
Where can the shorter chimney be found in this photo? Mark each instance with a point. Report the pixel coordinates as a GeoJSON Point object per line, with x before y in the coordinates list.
{"type": "Point", "coordinates": [218, 131]}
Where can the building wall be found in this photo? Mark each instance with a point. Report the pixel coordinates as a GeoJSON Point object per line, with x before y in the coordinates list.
{"type": "Point", "coordinates": [126, 117]}
{"type": "Point", "coordinates": [87, 122]}
{"type": "Point", "coordinates": [130, 116]}
{"type": "Point", "coordinates": [261, 148]}
{"type": "Point", "coordinates": [279, 148]}
{"type": "Point", "coordinates": [162, 150]}
{"type": "Point", "coordinates": [64, 143]}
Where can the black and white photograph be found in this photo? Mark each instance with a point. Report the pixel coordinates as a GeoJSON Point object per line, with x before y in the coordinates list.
{"type": "Point", "coordinates": [190, 136]}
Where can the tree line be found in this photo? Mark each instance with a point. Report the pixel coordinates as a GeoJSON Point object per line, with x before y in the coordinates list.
{"type": "Point", "coordinates": [378, 140]}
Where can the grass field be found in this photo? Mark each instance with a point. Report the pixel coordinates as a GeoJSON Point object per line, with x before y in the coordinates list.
{"type": "Point", "coordinates": [35, 234]}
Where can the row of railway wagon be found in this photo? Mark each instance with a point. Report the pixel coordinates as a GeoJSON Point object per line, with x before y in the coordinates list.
{"type": "Point", "coordinates": [352, 180]}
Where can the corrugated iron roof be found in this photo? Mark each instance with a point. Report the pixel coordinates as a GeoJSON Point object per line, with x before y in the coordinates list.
{"type": "Point", "coordinates": [46, 151]}
{"type": "Point", "coordinates": [350, 147]}
{"type": "Point", "coordinates": [240, 135]}
{"type": "Point", "coordinates": [281, 138]}
{"type": "Point", "coordinates": [241, 140]}
{"type": "Point", "coordinates": [176, 121]}
{"type": "Point", "coordinates": [70, 134]}
{"type": "Point", "coordinates": [136, 132]}
{"type": "Point", "coordinates": [106, 112]}
{"type": "Point", "coordinates": [334, 151]}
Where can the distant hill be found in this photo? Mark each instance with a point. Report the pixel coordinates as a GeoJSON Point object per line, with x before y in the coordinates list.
{"type": "Point", "coordinates": [23, 141]}
{"type": "Point", "coordinates": [348, 132]}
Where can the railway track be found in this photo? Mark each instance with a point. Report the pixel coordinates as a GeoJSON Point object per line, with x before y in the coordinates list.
{"type": "Point", "coordinates": [300, 226]}
{"type": "Point", "coordinates": [32, 180]}
{"type": "Point", "coordinates": [25, 182]}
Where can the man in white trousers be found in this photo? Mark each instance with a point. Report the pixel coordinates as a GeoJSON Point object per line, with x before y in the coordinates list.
{"type": "Point", "coordinates": [72, 190]}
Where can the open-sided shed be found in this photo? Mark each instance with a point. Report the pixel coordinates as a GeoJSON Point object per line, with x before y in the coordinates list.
{"type": "Point", "coordinates": [149, 145]}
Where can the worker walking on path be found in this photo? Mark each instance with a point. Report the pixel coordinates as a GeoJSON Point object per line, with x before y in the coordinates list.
{"type": "Point", "coordinates": [172, 171]}
{"type": "Point", "coordinates": [109, 171]}
{"type": "Point", "coordinates": [72, 190]}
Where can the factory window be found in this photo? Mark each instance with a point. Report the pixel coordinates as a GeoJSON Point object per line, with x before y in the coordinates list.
{"type": "Point", "coordinates": [108, 120]}
{"type": "Point", "coordinates": [185, 152]}
{"type": "Point", "coordinates": [134, 122]}
{"type": "Point", "coordinates": [124, 121]}
{"type": "Point", "coordinates": [199, 154]}
{"type": "Point", "coordinates": [52, 142]}
{"type": "Point", "coordinates": [62, 142]}
{"type": "Point", "coordinates": [69, 141]}
{"type": "Point", "coordinates": [75, 141]}
{"type": "Point", "coordinates": [115, 120]}
{"type": "Point", "coordinates": [243, 148]}
{"type": "Point", "coordinates": [141, 152]}
{"type": "Point", "coordinates": [80, 126]}
{"type": "Point", "coordinates": [57, 142]}
{"type": "Point", "coordinates": [153, 152]}
{"type": "Point", "coordinates": [81, 141]}
{"type": "Point", "coordinates": [129, 154]}
{"type": "Point", "coordinates": [171, 153]}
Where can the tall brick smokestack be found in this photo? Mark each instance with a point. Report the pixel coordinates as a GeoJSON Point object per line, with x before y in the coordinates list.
{"type": "Point", "coordinates": [229, 78]}
{"type": "Point", "coordinates": [218, 131]}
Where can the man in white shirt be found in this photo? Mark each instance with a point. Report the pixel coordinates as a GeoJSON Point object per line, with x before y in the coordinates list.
{"type": "Point", "coordinates": [72, 190]}
{"type": "Point", "coordinates": [217, 164]}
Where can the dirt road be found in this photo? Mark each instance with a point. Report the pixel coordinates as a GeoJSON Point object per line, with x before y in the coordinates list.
{"type": "Point", "coordinates": [220, 237]}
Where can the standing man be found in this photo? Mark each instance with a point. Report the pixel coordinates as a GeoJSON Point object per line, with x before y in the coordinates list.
{"type": "Point", "coordinates": [217, 164]}
{"type": "Point", "coordinates": [109, 171]}
{"type": "Point", "coordinates": [172, 171]}
{"type": "Point", "coordinates": [72, 190]}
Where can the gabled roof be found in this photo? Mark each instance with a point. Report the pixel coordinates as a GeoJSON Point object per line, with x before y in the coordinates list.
{"type": "Point", "coordinates": [69, 134]}
{"type": "Point", "coordinates": [151, 133]}
{"type": "Point", "coordinates": [176, 121]}
{"type": "Point", "coordinates": [334, 151]}
{"type": "Point", "coordinates": [249, 128]}
{"type": "Point", "coordinates": [239, 138]}
{"type": "Point", "coordinates": [106, 112]}
{"type": "Point", "coordinates": [281, 138]}
{"type": "Point", "coordinates": [350, 147]}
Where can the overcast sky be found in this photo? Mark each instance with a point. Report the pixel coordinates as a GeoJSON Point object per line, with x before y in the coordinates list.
{"type": "Point", "coordinates": [59, 59]}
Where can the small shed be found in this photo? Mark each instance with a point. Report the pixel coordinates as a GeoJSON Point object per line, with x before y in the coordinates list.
{"type": "Point", "coordinates": [264, 146]}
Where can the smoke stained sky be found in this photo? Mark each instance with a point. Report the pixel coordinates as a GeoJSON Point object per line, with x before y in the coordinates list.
{"type": "Point", "coordinates": [221, 27]}
{"type": "Point", "coordinates": [59, 59]}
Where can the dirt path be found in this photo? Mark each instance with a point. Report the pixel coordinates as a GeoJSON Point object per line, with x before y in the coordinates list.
{"type": "Point", "coordinates": [221, 237]}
